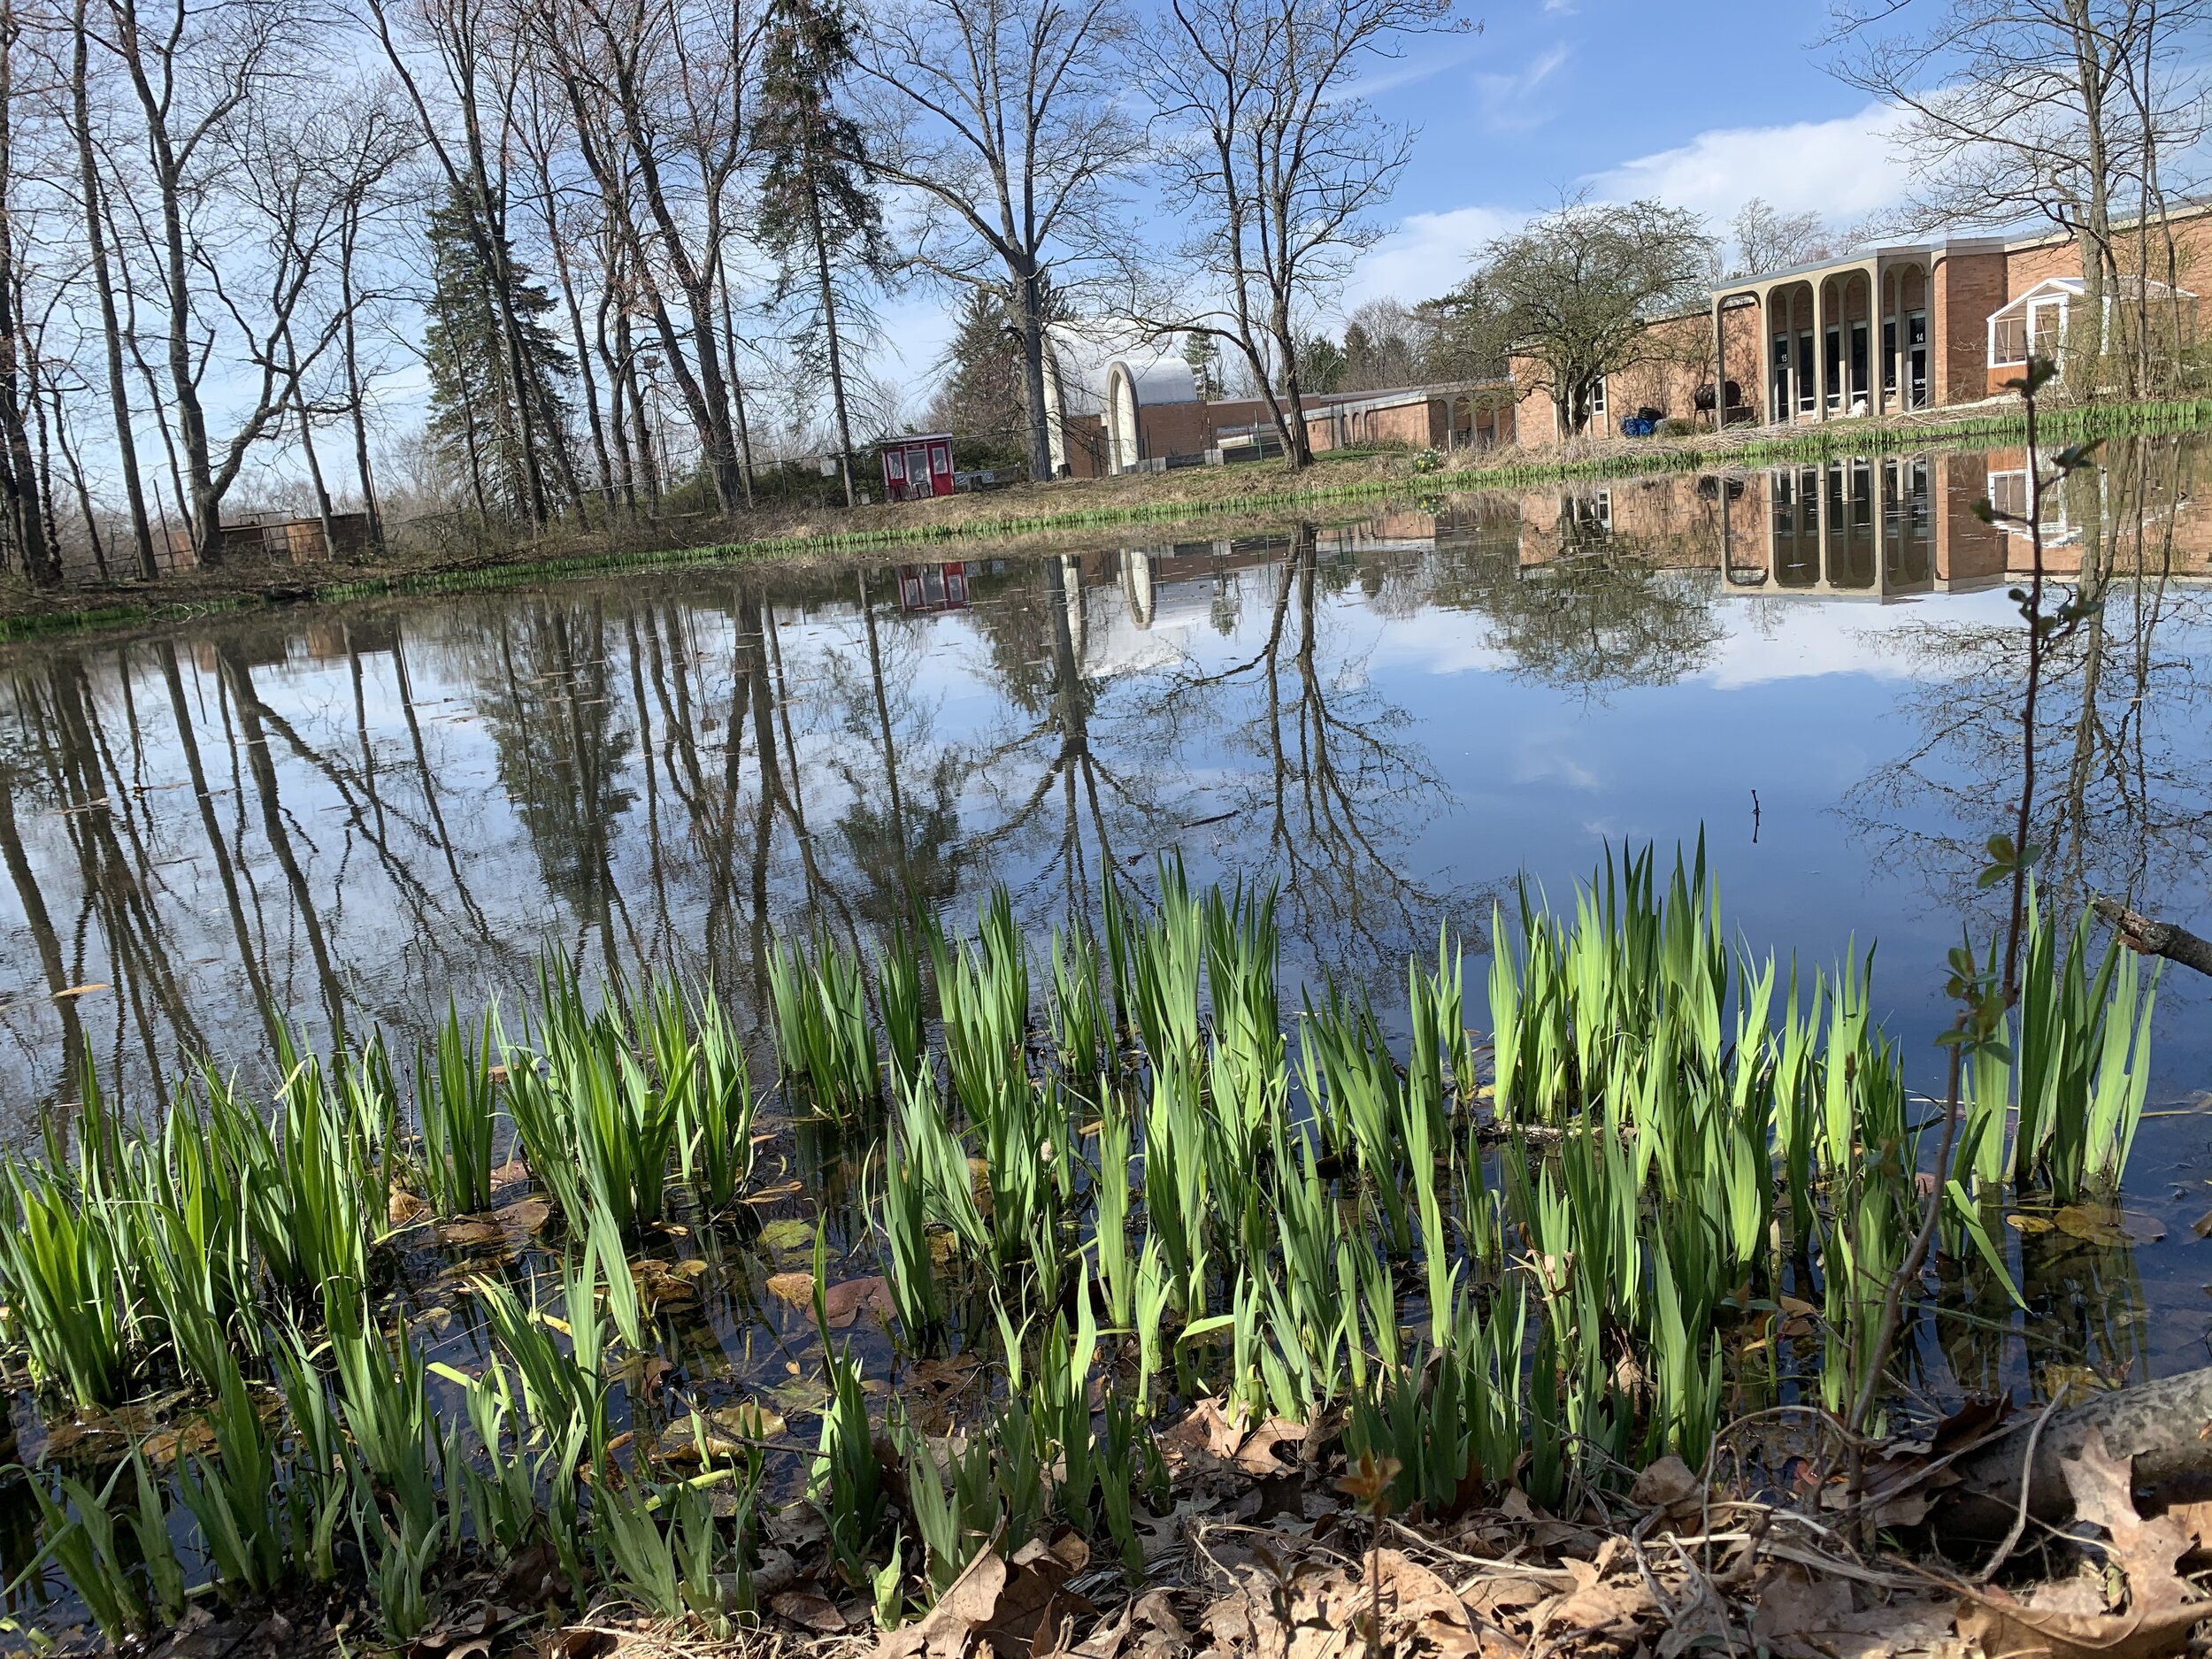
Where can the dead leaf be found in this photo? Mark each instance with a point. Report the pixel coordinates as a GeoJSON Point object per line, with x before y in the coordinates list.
{"type": "Point", "coordinates": [2012, 1632]}
{"type": "Point", "coordinates": [1671, 1485]}
{"type": "Point", "coordinates": [2107, 1224]}
{"type": "Point", "coordinates": [81, 990]}
{"type": "Point", "coordinates": [1256, 1455]}
{"type": "Point", "coordinates": [2103, 1488]}
{"type": "Point", "coordinates": [842, 1303]}
{"type": "Point", "coordinates": [966, 1605]}
{"type": "Point", "coordinates": [471, 1233]}
{"type": "Point", "coordinates": [812, 1612]}
{"type": "Point", "coordinates": [404, 1209]}
{"type": "Point", "coordinates": [1593, 1604]}
{"type": "Point", "coordinates": [1206, 1428]}
{"type": "Point", "coordinates": [1035, 1602]}
{"type": "Point", "coordinates": [1795, 1608]}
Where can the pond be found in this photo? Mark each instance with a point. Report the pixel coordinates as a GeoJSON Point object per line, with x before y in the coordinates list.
{"type": "Point", "coordinates": [355, 816]}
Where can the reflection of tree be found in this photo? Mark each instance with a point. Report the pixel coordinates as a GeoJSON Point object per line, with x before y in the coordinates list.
{"type": "Point", "coordinates": [2126, 806]}
{"type": "Point", "coordinates": [559, 749]}
{"type": "Point", "coordinates": [1062, 714]}
{"type": "Point", "coordinates": [902, 815]}
{"type": "Point", "coordinates": [1603, 616]}
{"type": "Point", "coordinates": [1343, 789]}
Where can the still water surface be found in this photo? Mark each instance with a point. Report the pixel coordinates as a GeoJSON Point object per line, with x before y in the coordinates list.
{"type": "Point", "coordinates": [352, 814]}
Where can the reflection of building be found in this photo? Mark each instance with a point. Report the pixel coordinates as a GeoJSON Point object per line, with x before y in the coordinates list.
{"type": "Point", "coordinates": [924, 588]}
{"type": "Point", "coordinates": [1907, 525]}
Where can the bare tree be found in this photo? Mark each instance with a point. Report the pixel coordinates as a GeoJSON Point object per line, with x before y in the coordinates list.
{"type": "Point", "coordinates": [655, 90]}
{"type": "Point", "coordinates": [1577, 287]}
{"type": "Point", "coordinates": [1281, 162]}
{"type": "Point", "coordinates": [1005, 117]}
{"type": "Point", "coordinates": [90, 185]}
{"type": "Point", "coordinates": [2035, 109]}
{"type": "Point", "coordinates": [27, 519]}
{"type": "Point", "coordinates": [1767, 238]}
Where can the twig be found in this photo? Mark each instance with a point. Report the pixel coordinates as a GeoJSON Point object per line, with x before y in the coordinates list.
{"type": "Point", "coordinates": [2027, 1483]}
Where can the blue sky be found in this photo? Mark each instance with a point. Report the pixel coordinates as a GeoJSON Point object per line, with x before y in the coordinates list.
{"type": "Point", "coordinates": [1703, 103]}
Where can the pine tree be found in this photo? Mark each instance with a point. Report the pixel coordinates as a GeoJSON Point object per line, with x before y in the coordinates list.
{"type": "Point", "coordinates": [815, 205]}
{"type": "Point", "coordinates": [981, 401]}
{"type": "Point", "coordinates": [472, 414]}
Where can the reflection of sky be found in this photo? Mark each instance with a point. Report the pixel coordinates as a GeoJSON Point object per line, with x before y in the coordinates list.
{"type": "Point", "coordinates": [1800, 701]}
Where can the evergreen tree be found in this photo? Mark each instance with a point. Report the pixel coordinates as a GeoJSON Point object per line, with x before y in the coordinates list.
{"type": "Point", "coordinates": [981, 401]}
{"type": "Point", "coordinates": [473, 419]}
{"type": "Point", "coordinates": [1203, 353]}
{"type": "Point", "coordinates": [815, 206]}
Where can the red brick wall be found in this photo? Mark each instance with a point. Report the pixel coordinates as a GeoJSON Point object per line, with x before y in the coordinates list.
{"type": "Point", "coordinates": [1967, 288]}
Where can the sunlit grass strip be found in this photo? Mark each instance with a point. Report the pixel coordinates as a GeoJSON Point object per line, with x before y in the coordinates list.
{"type": "Point", "coordinates": [1827, 442]}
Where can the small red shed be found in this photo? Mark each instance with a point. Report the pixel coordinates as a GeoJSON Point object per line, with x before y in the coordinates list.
{"type": "Point", "coordinates": [917, 467]}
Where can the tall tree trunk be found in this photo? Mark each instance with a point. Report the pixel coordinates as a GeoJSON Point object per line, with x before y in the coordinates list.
{"type": "Point", "coordinates": [205, 502]}
{"type": "Point", "coordinates": [828, 290]}
{"type": "Point", "coordinates": [1030, 303]}
{"type": "Point", "coordinates": [26, 521]}
{"type": "Point", "coordinates": [103, 285]}
{"type": "Point", "coordinates": [1297, 448]}
{"type": "Point", "coordinates": [356, 397]}
{"type": "Point", "coordinates": [737, 385]}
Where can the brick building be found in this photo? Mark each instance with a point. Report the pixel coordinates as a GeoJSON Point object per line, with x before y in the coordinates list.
{"type": "Point", "coordinates": [1889, 329]}
{"type": "Point", "coordinates": [1140, 411]}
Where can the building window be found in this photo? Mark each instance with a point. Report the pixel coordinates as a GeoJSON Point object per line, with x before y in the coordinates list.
{"type": "Point", "coordinates": [1597, 401]}
{"type": "Point", "coordinates": [2009, 340]}
{"type": "Point", "coordinates": [2009, 494]}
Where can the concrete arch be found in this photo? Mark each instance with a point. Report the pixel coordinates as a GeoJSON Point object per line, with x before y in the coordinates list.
{"type": "Point", "coordinates": [1130, 391]}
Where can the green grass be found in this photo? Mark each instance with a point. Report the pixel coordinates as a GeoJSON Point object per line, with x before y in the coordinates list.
{"type": "Point", "coordinates": [1550, 1275]}
{"type": "Point", "coordinates": [1663, 456]}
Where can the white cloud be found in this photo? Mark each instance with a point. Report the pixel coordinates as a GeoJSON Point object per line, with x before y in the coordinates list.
{"type": "Point", "coordinates": [1427, 254]}
{"type": "Point", "coordinates": [1842, 169]}
{"type": "Point", "coordinates": [1510, 102]}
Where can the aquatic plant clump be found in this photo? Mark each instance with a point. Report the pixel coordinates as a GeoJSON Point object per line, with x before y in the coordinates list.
{"type": "Point", "coordinates": [1108, 1191]}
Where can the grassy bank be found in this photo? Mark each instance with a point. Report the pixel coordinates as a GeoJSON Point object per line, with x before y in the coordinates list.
{"type": "Point", "coordinates": [1038, 517]}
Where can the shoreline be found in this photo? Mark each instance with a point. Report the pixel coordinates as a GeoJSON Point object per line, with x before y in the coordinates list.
{"type": "Point", "coordinates": [1059, 511]}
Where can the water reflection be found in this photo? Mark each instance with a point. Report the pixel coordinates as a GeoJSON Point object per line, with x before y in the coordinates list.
{"type": "Point", "coordinates": [351, 815]}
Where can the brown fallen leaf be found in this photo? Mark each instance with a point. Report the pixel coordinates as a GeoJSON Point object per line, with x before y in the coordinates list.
{"type": "Point", "coordinates": [1207, 1428]}
{"type": "Point", "coordinates": [2009, 1631]}
{"type": "Point", "coordinates": [404, 1209]}
{"type": "Point", "coordinates": [1796, 1607]}
{"type": "Point", "coordinates": [2103, 1489]}
{"type": "Point", "coordinates": [967, 1604]}
{"type": "Point", "coordinates": [471, 1233]}
{"type": "Point", "coordinates": [1035, 1603]}
{"type": "Point", "coordinates": [809, 1612]}
{"type": "Point", "coordinates": [1257, 1455]}
{"type": "Point", "coordinates": [842, 1303]}
{"type": "Point", "coordinates": [1669, 1485]}
{"type": "Point", "coordinates": [1593, 1604]}
{"type": "Point", "coordinates": [81, 990]}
